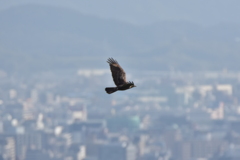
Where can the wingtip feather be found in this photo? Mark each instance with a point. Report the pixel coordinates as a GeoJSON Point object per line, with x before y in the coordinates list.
{"type": "Point", "coordinates": [112, 61]}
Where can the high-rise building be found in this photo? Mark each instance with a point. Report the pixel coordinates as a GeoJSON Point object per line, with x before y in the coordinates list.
{"type": "Point", "coordinates": [36, 155]}
{"type": "Point", "coordinates": [28, 110]}
{"type": "Point", "coordinates": [10, 153]}
{"type": "Point", "coordinates": [117, 151]}
{"type": "Point", "coordinates": [182, 150]}
{"type": "Point", "coordinates": [82, 153]}
{"type": "Point", "coordinates": [218, 113]}
{"type": "Point", "coordinates": [28, 141]}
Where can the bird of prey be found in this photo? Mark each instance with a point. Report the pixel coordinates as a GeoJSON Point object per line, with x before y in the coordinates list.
{"type": "Point", "coordinates": [119, 78]}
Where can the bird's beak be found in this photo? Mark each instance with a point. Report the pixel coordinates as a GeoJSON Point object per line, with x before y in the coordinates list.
{"type": "Point", "coordinates": [134, 86]}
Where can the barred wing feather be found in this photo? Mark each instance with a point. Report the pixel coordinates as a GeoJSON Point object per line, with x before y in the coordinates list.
{"type": "Point", "coordinates": [118, 74]}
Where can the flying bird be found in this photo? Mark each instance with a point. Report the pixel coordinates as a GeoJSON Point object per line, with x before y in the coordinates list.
{"type": "Point", "coordinates": [119, 78]}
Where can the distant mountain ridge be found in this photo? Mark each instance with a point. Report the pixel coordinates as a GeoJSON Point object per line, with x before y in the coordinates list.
{"type": "Point", "coordinates": [148, 12]}
{"type": "Point", "coordinates": [46, 38]}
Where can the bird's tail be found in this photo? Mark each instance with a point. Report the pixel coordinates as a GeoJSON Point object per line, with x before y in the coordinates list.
{"type": "Point", "coordinates": [110, 90]}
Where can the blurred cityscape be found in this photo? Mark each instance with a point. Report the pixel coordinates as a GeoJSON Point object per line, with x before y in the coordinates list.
{"type": "Point", "coordinates": [169, 116]}
{"type": "Point", "coordinates": [183, 56]}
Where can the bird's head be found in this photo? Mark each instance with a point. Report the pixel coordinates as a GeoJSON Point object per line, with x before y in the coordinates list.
{"type": "Point", "coordinates": [131, 84]}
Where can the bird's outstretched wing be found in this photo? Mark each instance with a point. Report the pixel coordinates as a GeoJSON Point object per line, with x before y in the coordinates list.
{"type": "Point", "coordinates": [118, 74]}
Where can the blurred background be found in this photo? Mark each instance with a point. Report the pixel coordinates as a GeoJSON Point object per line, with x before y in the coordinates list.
{"type": "Point", "coordinates": [181, 55]}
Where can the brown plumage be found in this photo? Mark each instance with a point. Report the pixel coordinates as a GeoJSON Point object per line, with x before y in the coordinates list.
{"type": "Point", "coordinates": [119, 77]}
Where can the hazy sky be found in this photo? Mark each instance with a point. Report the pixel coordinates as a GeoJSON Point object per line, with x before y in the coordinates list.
{"type": "Point", "coordinates": [32, 30]}
{"type": "Point", "coordinates": [205, 12]}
